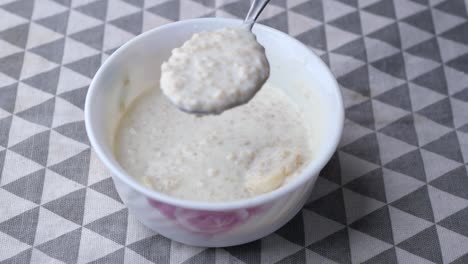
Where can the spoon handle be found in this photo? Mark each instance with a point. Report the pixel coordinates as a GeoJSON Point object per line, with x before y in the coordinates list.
{"type": "Point", "coordinates": [255, 9]}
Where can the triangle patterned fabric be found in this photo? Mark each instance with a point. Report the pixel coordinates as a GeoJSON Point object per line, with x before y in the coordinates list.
{"type": "Point", "coordinates": [396, 190]}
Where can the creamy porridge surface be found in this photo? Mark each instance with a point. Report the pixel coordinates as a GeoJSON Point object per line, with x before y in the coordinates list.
{"type": "Point", "coordinates": [215, 70]}
{"type": "Point", "coordinates": [246, 151]}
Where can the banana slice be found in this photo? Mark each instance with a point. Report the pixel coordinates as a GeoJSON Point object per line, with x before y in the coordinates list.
{"type": "Point", "coordinates": [269, 168]}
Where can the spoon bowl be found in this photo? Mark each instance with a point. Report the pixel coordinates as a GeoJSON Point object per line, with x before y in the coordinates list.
{"type": "Point", "coordinates": [242, 68]}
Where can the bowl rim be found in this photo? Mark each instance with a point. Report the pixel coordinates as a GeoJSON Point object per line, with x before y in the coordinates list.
{"type": "Point", "coordinates": [312, 169]}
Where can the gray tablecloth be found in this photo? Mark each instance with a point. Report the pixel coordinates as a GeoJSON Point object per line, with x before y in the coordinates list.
{"type": "Point", "coordinates": [396, 191]}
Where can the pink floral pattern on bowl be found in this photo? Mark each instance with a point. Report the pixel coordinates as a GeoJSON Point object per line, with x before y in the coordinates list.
{"type": "Point", "coordinates": [206, 222]}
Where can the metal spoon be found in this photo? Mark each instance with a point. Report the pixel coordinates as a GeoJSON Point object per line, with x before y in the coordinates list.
{"type": "Point", "coordinates": [255, 10]}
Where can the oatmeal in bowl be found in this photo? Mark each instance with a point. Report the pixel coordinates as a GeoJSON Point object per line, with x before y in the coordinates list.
{"type": "Point", "coordinates": [246, 151]}
{"type": "Point", "coordinates": [217, 180]}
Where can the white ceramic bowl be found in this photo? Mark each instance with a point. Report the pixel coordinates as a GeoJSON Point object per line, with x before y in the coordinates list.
{"type": "Point", "coordinates": [135, 67]}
